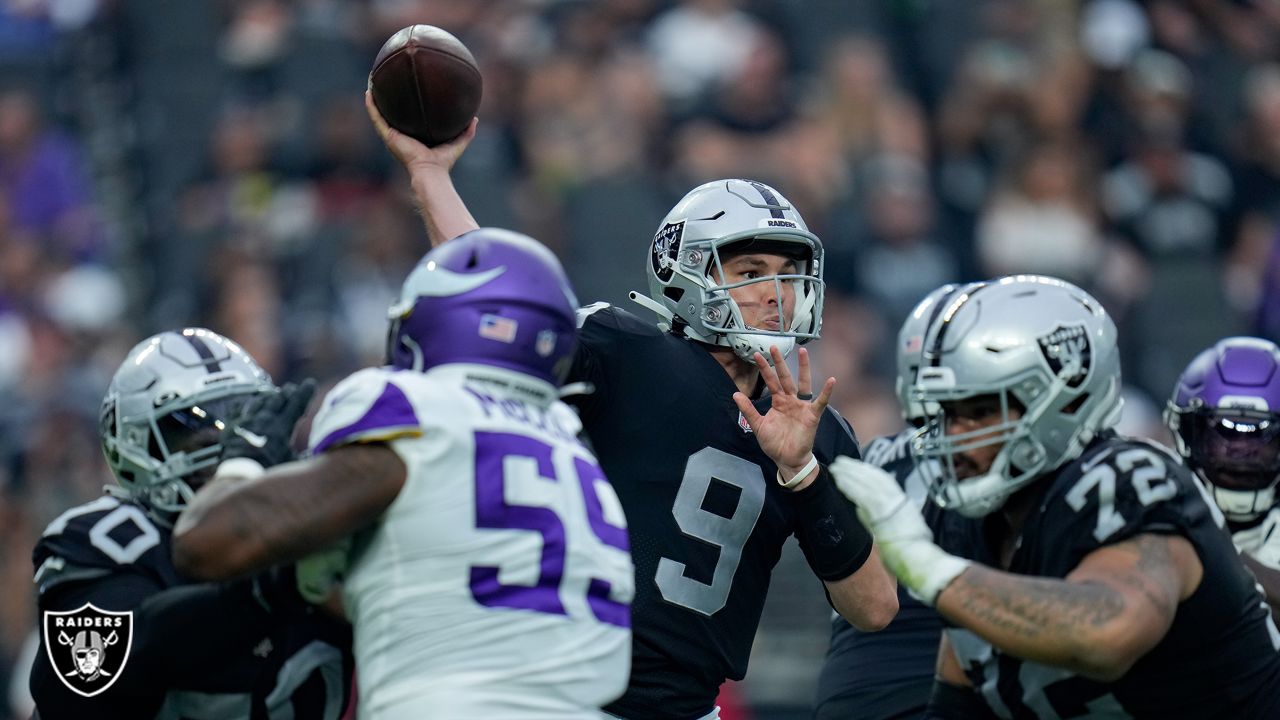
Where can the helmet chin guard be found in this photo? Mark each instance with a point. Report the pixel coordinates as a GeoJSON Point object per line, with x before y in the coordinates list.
{"type": "Point", "coordinates": [686, 267]}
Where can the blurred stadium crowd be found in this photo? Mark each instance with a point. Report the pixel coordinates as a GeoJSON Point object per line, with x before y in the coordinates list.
{"type": "Point", "coordinates": [180, 163]}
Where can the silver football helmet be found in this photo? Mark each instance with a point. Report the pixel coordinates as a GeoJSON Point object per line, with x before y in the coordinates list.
{"type": "Point", "coordinates": [911, 349]}
{"type": "Point", "coordinates": [685, 266]}
{"type": "Point", "coordinates": [164, 408]}
{"type": "Point", "coordinates": [1040, 345]}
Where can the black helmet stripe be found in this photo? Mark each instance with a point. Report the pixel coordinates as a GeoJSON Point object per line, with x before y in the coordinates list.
{"type": "Point", "coordinates": [202, 349]}
{"type": "Point", "coordinates": [966, 294]}
{"type": "Point", "coordinates": [770, 200]}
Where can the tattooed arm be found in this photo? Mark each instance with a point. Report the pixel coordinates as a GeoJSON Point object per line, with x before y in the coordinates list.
{"type": "Point", "coordinates": [235, 527]}
{"type": "Point", "coordinates": [1108, 612]}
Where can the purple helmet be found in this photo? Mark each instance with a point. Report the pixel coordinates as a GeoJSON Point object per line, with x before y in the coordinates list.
{"type": "Point", "coordinates": [490, 296]}
{"type": "Point", "coordinates": [1225, 418]}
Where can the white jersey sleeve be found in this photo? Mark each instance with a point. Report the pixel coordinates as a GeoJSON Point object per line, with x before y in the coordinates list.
{"type": "Point", "coordinates": [1262, 542]}
{"type": "Point", "coordinates": [366, 407]}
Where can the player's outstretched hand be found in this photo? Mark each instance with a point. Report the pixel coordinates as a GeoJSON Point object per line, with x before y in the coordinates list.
{"type": "Point", "coordinates": [264, 428]}
{"type": "Point", "coordinates": [786, 431]}
{"type": "Point", "coordinates": [413, 155]}
{"type": "Point", "coordinates": [905, 541]}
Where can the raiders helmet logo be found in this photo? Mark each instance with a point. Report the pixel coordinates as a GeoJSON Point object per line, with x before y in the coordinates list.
{"type": "Point", "coordinates": [1067, 348]}
{"type": "Point", "coordinates": [666, 248]}
{"type": "Point", "coordinates": [88, 647]}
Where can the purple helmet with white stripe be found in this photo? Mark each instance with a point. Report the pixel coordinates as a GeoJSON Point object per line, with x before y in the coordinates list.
{"type": "Point", "coordinates": [1225, 418]}
{"type": "Point", "coordinates": [490, 296]}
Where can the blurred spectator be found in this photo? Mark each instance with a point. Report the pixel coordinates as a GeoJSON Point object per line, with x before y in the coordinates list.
{"type": "Point", "coordinates": [697, 44]}
{"type": "Point", "coordinates": [898, 258]}
{"type": "Point", "coordinates": [1043, 218]}
{"type": "Point", "coordinates": [44, 183]}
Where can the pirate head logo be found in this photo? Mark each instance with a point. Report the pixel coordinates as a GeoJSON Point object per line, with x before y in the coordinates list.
{"type": "Point", "coordinates": [88, 647]}
{"type": "Point", "coordinates": [666, 248]}
{"type": "Point", "coordinates": [1067, 349]}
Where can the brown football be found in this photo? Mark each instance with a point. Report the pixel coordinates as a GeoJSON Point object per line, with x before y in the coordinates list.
{"type": "Point", "coordinates": [426, 84]}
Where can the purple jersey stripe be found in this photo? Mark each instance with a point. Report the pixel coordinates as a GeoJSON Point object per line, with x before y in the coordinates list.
{"type": "Point", "coordinates": [390, 412]}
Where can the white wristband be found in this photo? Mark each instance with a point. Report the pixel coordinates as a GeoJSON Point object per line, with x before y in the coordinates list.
{"type": "Point", "coordinates": [799, 476]}
{"type": "Point", "coordinates": [239, 467]}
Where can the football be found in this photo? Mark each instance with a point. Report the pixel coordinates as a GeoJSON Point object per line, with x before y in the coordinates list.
{"type": "Point", "coordinates": [426, 84]}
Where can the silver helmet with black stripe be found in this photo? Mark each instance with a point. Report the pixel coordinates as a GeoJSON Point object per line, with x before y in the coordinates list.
{"type": "Point", "coordinates": [685, 266]}
{"type": "Point", "coordinates": [1043, 353]}
{"type": "Point", "coordinates": [162, 413]}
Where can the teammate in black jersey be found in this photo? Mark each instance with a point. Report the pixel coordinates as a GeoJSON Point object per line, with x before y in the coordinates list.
{"type": "Point", "coordinates": [888, 675]}
{"type": "Point", "coordinates": [1082, 574]}
{"type": "Point", "coordinates": [250, 649]}
{"type": "Point", "coordinates": [716, 455]}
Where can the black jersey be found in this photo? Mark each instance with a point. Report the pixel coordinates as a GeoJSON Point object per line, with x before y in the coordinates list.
{"type": "Point", "coordinates": [208, 651]}
{"type": "Point", "coordinates": [885, 674]}
{"type": "Point", "coordinates": [1221, 656]}
{"type": "Point", "coordinates": [707, 518]}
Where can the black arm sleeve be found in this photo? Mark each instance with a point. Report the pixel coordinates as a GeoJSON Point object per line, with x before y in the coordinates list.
{"type": "Point", "coordinates": [953, 702]}
{"type": "Point", "coordinates": [833, 540]}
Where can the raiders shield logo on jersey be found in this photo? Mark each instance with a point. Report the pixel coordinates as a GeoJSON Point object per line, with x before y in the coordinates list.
{"type": "Point", "coordinates": [1068, 347]}
{"type": "Point", "coordinates": [88, 646]}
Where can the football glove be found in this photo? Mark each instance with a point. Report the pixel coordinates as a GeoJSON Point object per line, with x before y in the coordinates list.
{"type": "Point", "coordinates": [264, 428]}
{"type": "Point", "coordinates": [905, 541]}
{"type": "Point", "coordinates": [320, 572]}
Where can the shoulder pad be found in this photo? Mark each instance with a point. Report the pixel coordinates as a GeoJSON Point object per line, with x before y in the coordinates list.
{"type": "Point", "coordinates": [1119, 489]}
{"type": "Point", "coordinates": [368, 406]}
{"type": "Point", "coordinates": [602, 317]}
{"type": "Point", "coordinates": [888, 449]}
{"type": "Point", "coordinates": [98, 538]}
{"type": "Point", "coordinates": [835, 437]}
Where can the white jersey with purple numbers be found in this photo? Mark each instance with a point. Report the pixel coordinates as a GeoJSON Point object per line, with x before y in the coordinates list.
{"type": "Point", "coordinates": [1262, 542]}
{"type": "Point", "coordinates": [498, 584]}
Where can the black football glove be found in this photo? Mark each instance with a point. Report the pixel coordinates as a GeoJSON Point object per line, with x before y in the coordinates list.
{"type": "Point", "coordinates": [264, 428]}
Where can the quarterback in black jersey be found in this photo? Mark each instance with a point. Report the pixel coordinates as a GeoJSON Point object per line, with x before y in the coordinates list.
{"type": "Point", "coordinates": [249, 649]}
{"type": "Point", "coordinates": [1081, 574]}
{"type": "Point", "coordinates": [716, 451]}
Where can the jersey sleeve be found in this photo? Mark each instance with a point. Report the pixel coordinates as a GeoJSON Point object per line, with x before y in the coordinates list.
{"type": "Point", "coordinates": [1127, 489]}
{"type": "Point", "coordinates": [98, 539]}
{"type": "Point", "coordinates": [835, 437]}
{"type": "Point", "coordinates": [597, 332]}
{"type": "Point", "coordinates": [366, 407]}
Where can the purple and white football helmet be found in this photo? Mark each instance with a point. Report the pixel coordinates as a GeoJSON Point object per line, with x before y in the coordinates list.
{"type": "Point", "coordinates": [1225, 418]}
{"type": "Point", "coordinates": [490, 296]}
